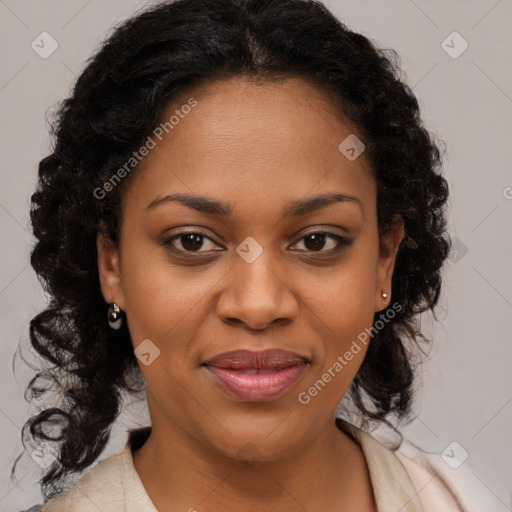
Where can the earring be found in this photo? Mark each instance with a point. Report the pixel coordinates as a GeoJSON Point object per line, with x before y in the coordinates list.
{"type": "Point", "coordinates": [384, 295]}
{"type": "Point", "coordinates": [114, 316]}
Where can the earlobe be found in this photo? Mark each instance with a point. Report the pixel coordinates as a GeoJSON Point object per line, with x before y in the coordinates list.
{"type": "Point", "coordinates": [109, 270]}
{"type": "Point", "coordinates": [388, 247]}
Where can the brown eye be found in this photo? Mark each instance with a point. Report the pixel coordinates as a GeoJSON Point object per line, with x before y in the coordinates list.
{"type": "Point", "coordinates": [315, 242]}
{"type": "Point", "coordinates": [191, 241]}
{"type": "Point", "coordinates": [187, 242]}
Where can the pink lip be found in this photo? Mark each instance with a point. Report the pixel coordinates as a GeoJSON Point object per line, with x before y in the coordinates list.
{"type": "Point", "coordinates": [257, 376]}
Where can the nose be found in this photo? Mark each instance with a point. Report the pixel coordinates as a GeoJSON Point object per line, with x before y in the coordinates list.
{"type": "Point", "coordinates": [257, 294]}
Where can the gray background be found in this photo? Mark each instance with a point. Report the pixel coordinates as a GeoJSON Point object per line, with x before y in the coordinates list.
{"type": "Point", "coordinates": [467, 393]}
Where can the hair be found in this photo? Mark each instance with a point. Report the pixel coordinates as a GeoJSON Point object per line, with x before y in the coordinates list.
{"type": "Point", "coordinates": [147, 62]}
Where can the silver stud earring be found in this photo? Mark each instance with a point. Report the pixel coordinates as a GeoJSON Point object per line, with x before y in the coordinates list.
{"type": "Point", "coordinates": [384, 295]}
{"type": "Point", "coordinates": [115, 319]}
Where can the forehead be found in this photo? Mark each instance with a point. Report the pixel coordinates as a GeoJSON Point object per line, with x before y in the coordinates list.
{"type": "Point", "coordinates": [243, 115]}
{"type": "Point", "coordinates": [268, 140]}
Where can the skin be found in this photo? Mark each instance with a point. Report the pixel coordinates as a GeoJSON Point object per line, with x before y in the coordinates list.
{"type": "Point", "coordinates": [256, 147]}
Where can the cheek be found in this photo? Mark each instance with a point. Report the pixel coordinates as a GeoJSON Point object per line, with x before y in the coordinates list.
{"type": "Point", "coordinates": [343, 310]}
{"type": "Point", "coordinates": [159, 296]}
{"type": "Point", "coordinates": [344, 298]}
{"type": "Point", "coordinates": [343, 320]}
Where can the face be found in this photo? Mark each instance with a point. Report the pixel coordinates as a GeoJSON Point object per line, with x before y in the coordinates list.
{"type": "Point", "coordinates": [265, 268]}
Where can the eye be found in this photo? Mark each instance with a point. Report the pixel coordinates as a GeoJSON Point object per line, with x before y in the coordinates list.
{"type": "Point", "coordinates": [314, 242]}
{"type": "Point", "coordinates": [187, 242]}
{"type": "Point", "coordinates": [193, 241]}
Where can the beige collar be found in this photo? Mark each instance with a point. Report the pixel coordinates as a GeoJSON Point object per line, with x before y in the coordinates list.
{"type": "Point", "coordinates": [392, 487]}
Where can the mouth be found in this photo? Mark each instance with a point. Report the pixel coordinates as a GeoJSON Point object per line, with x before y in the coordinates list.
{"type": "Point", "coordinates": [256, 376]}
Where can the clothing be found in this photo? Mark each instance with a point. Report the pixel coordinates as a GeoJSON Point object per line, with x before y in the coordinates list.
{"type": "Point", "coordinates": [404, 479]}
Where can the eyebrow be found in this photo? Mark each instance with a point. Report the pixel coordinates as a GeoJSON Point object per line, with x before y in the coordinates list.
{"type": "Point", "coordinates": [296, 208]}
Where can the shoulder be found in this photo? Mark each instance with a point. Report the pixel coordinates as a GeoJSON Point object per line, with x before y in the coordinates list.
{"type": "Point", "coordinates": [441, 482]}
{"type": "Point", "coordinates": [101, 489]}
{"type": "Point", "coordinates": [112, 485]}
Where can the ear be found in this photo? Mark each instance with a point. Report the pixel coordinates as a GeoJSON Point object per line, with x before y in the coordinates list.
{"type": "Point", "coordinates": [109, 270]}
{"type": "Point", "coordinates": [388, 247]}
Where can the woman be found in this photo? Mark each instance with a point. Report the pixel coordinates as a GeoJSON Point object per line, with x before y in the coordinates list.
{"type": "Point", "coordinates": [242, 217]}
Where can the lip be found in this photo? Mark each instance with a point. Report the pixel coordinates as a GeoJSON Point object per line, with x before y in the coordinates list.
{"type": "Point", "coordinates": [256, 376]}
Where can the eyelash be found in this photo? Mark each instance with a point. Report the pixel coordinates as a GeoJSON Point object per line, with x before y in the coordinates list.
{"type": "Point", "coordinates": [341, 242]}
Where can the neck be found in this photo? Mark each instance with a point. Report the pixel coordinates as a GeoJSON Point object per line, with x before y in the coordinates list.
{"type": "Point", "coordinates": [173, 464]}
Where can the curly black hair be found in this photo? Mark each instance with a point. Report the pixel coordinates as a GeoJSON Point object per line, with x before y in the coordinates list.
{"type": "Point", "coordinates": [147, 62]}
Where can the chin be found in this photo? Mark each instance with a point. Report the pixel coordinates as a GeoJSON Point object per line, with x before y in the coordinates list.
{"type": "Point", "coordinates": [263, 441]}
